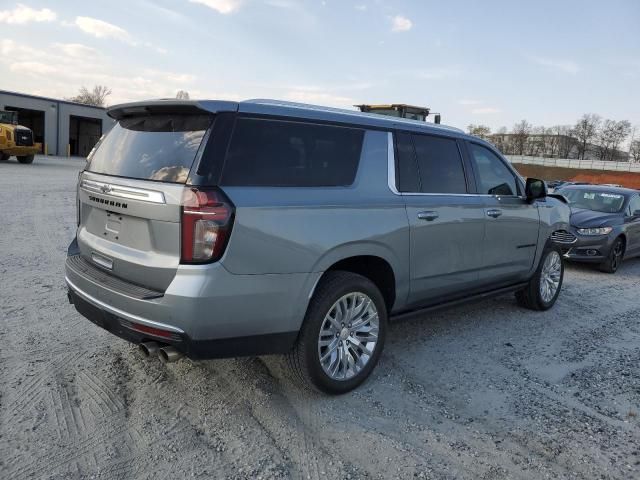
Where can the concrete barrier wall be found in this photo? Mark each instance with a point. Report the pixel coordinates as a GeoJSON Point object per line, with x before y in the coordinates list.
{"type": "Point", "coordinates": [546, 172]}
{"type": "Point", "coordinates": [574, 163]}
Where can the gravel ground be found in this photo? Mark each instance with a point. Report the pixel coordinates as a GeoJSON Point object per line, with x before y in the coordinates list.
{"type": "Point", "coordinates": [483, 391]}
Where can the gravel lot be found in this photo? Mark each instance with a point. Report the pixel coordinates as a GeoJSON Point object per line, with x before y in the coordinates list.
{"type": "Point", "coordinates": [483, 391]}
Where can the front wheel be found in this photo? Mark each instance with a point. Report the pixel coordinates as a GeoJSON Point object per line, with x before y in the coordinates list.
{"type": "Point", "coordinates": [4, 156]}
{"type": "Point", "coordinates": [342, 335]}
{"type": "Point", "coordinates": [544, 287]}
{"type": "Point", "coordinates": [614, 259]}
{"type": "Point", "coordinates": [26, 158]}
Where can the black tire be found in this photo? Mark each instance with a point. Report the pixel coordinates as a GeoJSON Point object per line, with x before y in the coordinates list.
{"type": "Point", "coordinates": [4, 156]}
{"type": "Point", "coordinates": [614, 259]}
{"type": "Point", "coordinates": [26, 158]}
{"type": "Point", "coordinates": [304, 359]}
{"type": "Point", "coordinates": [531, 297]}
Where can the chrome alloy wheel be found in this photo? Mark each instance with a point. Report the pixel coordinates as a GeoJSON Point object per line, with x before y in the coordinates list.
{"type": "Point", "coordinates": [550, 276]}
{"type": "Point", "coordinates": [348, 336]}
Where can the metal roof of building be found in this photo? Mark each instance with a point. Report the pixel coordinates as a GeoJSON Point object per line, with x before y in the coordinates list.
{"type": "Point", "coordinates": [48, 99]}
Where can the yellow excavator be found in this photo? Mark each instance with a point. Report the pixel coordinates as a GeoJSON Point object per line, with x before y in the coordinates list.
{"type": "Point", "coordinates": [16, 139]}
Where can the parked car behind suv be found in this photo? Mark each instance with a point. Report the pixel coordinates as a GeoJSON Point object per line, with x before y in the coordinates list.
{"type": "Point", "coordinates": [605, 225]}
{"type": "Point", "coordinates": [217, 229]}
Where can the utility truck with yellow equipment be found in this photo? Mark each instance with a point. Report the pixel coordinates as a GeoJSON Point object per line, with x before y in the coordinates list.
{"type": "Point", "coordinates": [16, 140]}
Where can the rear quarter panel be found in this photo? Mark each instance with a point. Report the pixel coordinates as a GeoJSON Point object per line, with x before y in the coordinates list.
{"type": "Point", "coordinates": [303, 230]}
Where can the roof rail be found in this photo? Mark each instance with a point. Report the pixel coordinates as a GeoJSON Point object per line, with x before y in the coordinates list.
{"type": "Point", "coordinates": [344, 111]}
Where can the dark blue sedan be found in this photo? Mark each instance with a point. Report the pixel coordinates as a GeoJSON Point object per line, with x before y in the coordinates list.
{"type": "Point", "coordinates": [605, 225]}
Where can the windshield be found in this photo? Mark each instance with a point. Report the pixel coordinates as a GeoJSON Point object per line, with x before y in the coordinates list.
{"type": "Point", "coordinates": [597, 201]}
{"type": "Point", "coordinates": [151, 147]}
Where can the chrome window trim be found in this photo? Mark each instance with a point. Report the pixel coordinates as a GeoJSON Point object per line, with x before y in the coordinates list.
{"type": "Point", "coordinates": [122, 191]}
{"type": "Point", "coordinates": [391, 179]}
{"type": "Point", "coordinates": [120, 313]}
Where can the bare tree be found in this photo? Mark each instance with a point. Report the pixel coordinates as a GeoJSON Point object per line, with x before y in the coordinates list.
{"type": "Point", "coordinates": [610, 136]}
{"type": "Point", "coordinates": [536, 142]}
{"type": "Point", "coordinates": [182, 95]}
{"type": "Point", "coordinates": [621, 131]}
{"type": "Point", "coordinates": [96, 97]}
{"type": "Point", "coordinates": [500, 140]}
{"type": "Point", "coordinates": [634, 151]}
{"type": "Point", "coordinates": [604, 138]}
{"type": "Point", "coordinates": [551, 141]}
{"type": "Point", "coordinates": [481, 131]}
{"type": "Point", "coordinates": [521, 132]}
{"type": "Point", "coordinates": [585, 131]}
{"type": "Point", "coordinates": [567, 140]}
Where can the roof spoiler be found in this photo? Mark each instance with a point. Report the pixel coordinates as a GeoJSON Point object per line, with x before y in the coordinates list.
{"type": "Point", "coordinates": [165, 106]}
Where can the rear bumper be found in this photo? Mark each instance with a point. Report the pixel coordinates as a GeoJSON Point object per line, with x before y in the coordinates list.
{"type": "Point", "coordinates": [207, 311]}
{"type": "Point", "coordinates": [196, 349]}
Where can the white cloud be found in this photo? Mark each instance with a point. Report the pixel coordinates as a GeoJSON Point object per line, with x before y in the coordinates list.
{"type": "Point", "coordinates": [466, 101]}
{"type": "Point", "coordinates": [221, 6]}
{"type": "Point", "coordinates": [30, 68]}
{"type": "Point", "coordinates": [282, 3]}
{"type": "Point", "coordinates": [180, 78]}
{"type": "Point", "coordinates": [485, 111]}
{"type": "Point", "coordinates": [102, 29]}
{"type": "Point", "coordinates": [361, 7]}
{"type": "Point", "coordinates": [77, 50]}
{"type": "Point", "coordinates": [320, 98]}
{"type": "Point", "coordinates": [6, 47]}
{"type": "Point", "coordinates": [565, 66]}
{"type": "Point", "coordinates": [23, 14]}
{"type": "Point", "coordinates": [401, 24]}
{"type": "Point", "coordinates": [60, 70]}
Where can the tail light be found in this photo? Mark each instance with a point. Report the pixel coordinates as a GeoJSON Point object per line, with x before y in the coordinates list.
{"type": "Point", "coordinates": [207, 217]}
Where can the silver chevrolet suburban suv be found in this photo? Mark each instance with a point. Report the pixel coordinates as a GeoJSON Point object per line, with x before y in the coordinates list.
{"type": "Point", "coordinates": [213, 229]}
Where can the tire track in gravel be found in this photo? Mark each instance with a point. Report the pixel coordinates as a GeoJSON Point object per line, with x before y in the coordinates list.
{"type": "Point", "coordinates": [68, 409]}
{"type": "Point", "coordinates": [24, 399]}
{"type": "Point", "coordinates": [485, 445]}
{"type": "Point", "coordinates": [212, 430]}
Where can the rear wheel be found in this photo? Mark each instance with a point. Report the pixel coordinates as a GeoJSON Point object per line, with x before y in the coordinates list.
{"type": "Point", "coordinates": [343, 333]}
{"type": "Point", "coordinates": [4, 156]}
{"type": "Point", "coordinates": [614, 259]}
{"type": "Point", "coordinates": [26, 158]}
{"type": "Point", "coordinates": [544, 287]}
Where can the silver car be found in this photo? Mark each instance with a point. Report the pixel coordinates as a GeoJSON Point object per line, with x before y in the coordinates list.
{"type": "Point", "coordinates": [213, 229]}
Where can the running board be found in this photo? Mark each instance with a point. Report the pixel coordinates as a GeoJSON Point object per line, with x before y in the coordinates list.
{"type": "Point", "coordinates": [453, 303]}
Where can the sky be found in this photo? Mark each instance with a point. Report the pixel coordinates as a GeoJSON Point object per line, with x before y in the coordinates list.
{"type": "Point", "coordinates": [488, 62]}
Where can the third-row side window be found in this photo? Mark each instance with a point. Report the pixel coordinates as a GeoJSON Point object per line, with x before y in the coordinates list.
{"type": "Point", "coordinates": [278, 153]}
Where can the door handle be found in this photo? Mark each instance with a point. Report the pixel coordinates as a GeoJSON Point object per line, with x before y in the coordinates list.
{"type": "Point", "coordinates": [494, 212]}
{"type": "Point", "coordinates": [428, 216]}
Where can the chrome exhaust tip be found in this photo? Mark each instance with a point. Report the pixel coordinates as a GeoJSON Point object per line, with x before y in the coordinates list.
{"type": "Point", "coordinates": [169, 354]}
{"type": "Point", "coordinates": [149, 348]}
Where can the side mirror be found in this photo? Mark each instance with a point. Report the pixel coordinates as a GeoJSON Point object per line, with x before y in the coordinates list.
{"type": "Point", "coordinates": [535, 189]}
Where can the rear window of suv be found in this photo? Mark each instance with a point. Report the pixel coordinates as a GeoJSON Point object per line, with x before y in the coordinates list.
{"type": "Point", "coordinates": [151, 147]}
{"type": "Point", "coordinates": [291, 154]}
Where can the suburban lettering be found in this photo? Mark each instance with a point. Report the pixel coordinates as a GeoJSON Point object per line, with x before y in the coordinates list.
{"type": "Point", "coordinates": [110, 203]}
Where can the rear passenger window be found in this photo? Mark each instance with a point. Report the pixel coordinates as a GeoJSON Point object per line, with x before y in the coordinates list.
{"type": "Point", "coordinates": [407, 169]}
{"type": "Point", "coordinates": [494, 178]}
{"type": "Point", "coordinates": [439, 164]}
{"type": "Point", "coordinates": [291, 154]}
